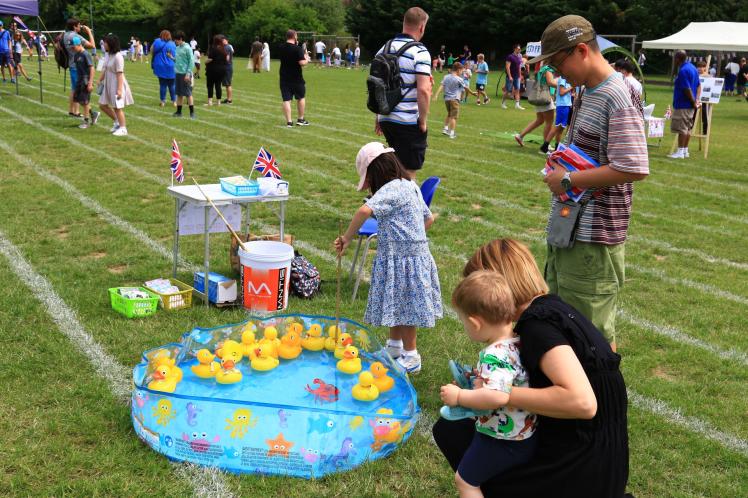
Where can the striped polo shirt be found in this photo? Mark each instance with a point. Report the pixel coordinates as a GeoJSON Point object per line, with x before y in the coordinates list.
{"type": "Point", "coordinates": [415, 60]}
{"type": "Point", "coordinates": [608, 126]}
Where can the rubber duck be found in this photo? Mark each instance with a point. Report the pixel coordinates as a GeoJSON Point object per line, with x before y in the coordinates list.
{"type": "Point", "coordinates": [171, 363]}
{"type": "Point", "coordinates": [290, 347]}
{"type": "Point", "coordinates": [365, 390]}
{"type": "Point", "coordinates": [249, 343]}
{"type": "Point", "coordinates": [344, 340]}
{"type": "Point", "coordinates": [231, 350]}
{"type": "Point", "coordinates": [383, 381]}
{"type": "Point", "coordinates": [313, 340]}
{"type": "Point", "coordinates": [295, 327]}
{"type": "Point", "coordinates": [206, 367]}
{"type": "Point", "coordinates": [228, 374]}
{"type": "Point", "coordinates": [271, 341]}
{"type": "Point", "coordinates": [351, 363]}
{"type": "Point", "coordinates": [331, 341]}
{"type": "Point", "coordinates": [164, 379]}
{"type": "Point", "coordinates": [263, 361]}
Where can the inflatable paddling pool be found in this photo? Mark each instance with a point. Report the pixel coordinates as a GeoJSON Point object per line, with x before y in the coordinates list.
{"type": "Point", "coordinates": [299, 418]}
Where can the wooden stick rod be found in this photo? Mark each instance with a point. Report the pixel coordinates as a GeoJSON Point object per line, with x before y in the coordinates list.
{"type": "Point", "coordinates": [228, 225]}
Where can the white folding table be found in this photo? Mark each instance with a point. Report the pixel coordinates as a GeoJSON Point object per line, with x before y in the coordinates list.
{"type": "Point", "coordinates": [190, 194]}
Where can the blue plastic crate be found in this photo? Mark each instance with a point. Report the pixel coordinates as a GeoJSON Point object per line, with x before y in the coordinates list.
{"type": "Point", "coordinates": [252, 189]}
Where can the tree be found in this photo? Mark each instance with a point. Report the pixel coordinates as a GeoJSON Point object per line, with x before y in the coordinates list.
{"type": "Point", "coordinates": [270, 19]}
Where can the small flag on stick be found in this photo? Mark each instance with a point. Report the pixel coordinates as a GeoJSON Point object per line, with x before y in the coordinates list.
{"type": "Point", "coordinates": [20, 23]}
{"type": "Point", "coordinates": [266, 164]}
{"type": "Point", "coordinates": [176, 162]}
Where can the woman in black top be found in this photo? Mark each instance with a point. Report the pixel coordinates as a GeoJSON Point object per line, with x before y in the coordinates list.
{"type": "Point", "coordinates": [215, 68]}
{"type": "Point", "coordinates": [576, 388]}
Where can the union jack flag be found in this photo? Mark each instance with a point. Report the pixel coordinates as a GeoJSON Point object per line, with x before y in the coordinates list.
{"type": "Point", "coordinates": [20, 23]}
{"type": "Point", "coordinates": [266, 165]}
{"type": "Point", "coordinates": [176, 162]}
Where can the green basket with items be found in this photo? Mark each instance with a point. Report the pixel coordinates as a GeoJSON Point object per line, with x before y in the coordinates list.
{"type": "Point", "coordinates": [133, 302]}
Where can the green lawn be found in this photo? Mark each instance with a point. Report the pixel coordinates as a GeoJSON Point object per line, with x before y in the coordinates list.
{"type": "Point", "coordinates": [89, 211]}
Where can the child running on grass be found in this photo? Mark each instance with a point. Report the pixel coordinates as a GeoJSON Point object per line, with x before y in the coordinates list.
{"type": "Point", "coordinates": [453, 86]}
{"type": "Point", "coordinates": [502, 439]}
{"type": "Point", "coordinates": [481, 80]}
{"type": "Point", "coordinates": [405, 291]}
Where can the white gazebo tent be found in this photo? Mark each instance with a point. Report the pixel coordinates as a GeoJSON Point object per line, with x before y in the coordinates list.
{"type": "Point", "coordinates": [717, 36]}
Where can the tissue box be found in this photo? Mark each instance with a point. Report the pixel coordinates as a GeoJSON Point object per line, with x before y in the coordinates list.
{"type": "Point", "coordinates": [220, 289]}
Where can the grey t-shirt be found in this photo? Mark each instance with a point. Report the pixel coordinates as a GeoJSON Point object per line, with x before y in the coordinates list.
{"type": "Point", "coordinates": [453, 86]}
{"type": "Point", "coordinates": [67, 42]}
{"type": "Point", "coordinates": [229, 55]}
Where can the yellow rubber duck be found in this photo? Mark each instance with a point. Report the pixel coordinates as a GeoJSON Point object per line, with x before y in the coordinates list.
{"type": "Point", "coordinates": [270, 341]}
{"type": "Point", "coordinates": [164, 379]}
{"type": "Point", "coordinates": [171, 363]}
{"type": "Point", "coordinates": [290, 347]}
{"type": "Point", "coordinates": [295, 327]}
{"type": "Point", "coordinates": [351, 363]}
{"type": "Point", "coordinates": [383, 381]}
{"type": "Point", "coordinates": [365, 390]}
{"type": "Point", "coordinates": [313, 340]}
{"type": "Point", "coordinates": [231, 350]}
{"type": "Point", "coordinates": [206, 367]}
{"type": "Point", "coordinates": [249, 343]}
{"type": "Point", "coordinates": [262, 361]}
{"type": "Point", "coordinates": [331, 341]}
{"type": "Point", "coordinates": [228, 374]}
{"type": "Point", "coordinates": [344, 340]}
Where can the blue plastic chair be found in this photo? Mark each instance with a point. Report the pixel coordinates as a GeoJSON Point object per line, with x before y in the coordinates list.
{"type": "Point", "coordinates": [369, 230]}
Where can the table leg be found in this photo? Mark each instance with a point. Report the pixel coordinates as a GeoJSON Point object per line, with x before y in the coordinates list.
{"type": "Point", "coordinates": [248, 217]}
{"type": "Point", "coordinates": [207, 255]}
{"type": "Point", "coordinates": [176, 237]}
{"type": "Point", "coordinates": [282, 220]}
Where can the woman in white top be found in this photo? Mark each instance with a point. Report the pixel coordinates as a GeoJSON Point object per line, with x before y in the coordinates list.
{"type": "Point", "coordinates": [265, 57]}
{"type": "Point", "coordinates": [115, 94]}
{"type": "Point", "coordinates": [731, 75]}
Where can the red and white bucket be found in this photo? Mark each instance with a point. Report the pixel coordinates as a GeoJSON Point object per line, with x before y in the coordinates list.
{"type": "Point", "coordinates": [266, 275]}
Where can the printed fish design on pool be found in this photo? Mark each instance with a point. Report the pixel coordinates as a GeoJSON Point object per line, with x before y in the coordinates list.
{"type": "Point", "coordinates": [321, 424]}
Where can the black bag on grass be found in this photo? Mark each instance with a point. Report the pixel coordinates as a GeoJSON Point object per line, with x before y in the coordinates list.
{"type": "Point", "coordinates": [305, 278]}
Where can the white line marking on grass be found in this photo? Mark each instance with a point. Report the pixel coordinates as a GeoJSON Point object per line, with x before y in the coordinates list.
{"type": "Point", "coordinates": [692, 424]}
{"type": "Point", "coordinates": [706, 289]}
{"type": "Point", "coordinates": [683, 338]}
{"type": "Point", "coordinates": [666, 246]}
{"type": "Point", "coordinates": [204, 482]}
{"type": "Point", "coordinates": [94, 206]}
{"type": "Point", "coordinates": [77, 143]}
{"type": "Point", "coordinates": [207, 482]}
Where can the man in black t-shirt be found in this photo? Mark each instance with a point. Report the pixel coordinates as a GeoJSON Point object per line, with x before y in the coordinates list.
{"type": "Point", "coordinates": [292, 85]}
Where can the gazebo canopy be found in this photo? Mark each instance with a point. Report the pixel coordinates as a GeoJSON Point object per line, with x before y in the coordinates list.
{"type": "Point", "coordinates": [20, 7]}
{"type": "Point", "coordinates": [717, 36]}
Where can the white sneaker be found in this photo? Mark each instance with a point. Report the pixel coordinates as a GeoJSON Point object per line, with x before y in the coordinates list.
{"type": "Point", "coordinates": [394, 352]}
{"type": "Point", "coordinates": [503, 106]}
{"type": "Point", "coordinates": [677, 155]}
{"type": "Point", "coordinates": [517, 106]}
{"type": "Point", "coordinates": [114, 128]}
{"type": "Point", "coordinates": [452, 134]}
{"type": "Point", "coordinates": [410, 363]}
{"type": "Point", "coordinates": [445, 131]}
{"type": "Point", "coordinates": [519, 140]}
{"type": "Point", "coordinates": [120, 132]}
{"type": "Point", "coordinates": [686, 154]}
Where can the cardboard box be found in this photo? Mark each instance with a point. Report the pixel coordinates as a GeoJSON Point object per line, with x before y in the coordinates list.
{"type": "Point", "coordinates": [234, 249]}
{"type": "Point", "coordinates": [220, 289]}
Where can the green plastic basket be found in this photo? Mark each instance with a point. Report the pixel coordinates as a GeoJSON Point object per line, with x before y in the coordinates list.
{"type": "Point", "coordinates": [133, 308]}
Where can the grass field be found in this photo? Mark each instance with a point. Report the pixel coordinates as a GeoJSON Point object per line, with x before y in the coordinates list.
{"type": "Point", "coordinates": [82, 211]}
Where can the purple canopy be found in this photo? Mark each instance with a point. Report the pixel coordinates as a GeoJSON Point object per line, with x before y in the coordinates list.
{"type": "Point", "coordinates": [20, 7]}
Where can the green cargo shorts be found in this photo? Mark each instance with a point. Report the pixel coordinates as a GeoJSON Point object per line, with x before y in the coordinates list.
{"type": "Point", "coordinates": [588, 277]}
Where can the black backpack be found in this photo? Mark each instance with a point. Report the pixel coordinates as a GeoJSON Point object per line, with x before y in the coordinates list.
{"type": "Point", "coordinates": [305, 279]}
{"type": "Point", "coordinates": [384, 83]}
{"type": "Point", "coordinates": [61, 54]}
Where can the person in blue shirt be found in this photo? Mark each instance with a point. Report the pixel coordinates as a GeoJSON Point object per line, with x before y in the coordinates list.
{"type": "Point", "coordinates": [685, 90]}
{"type": "Point", "coordinates": [6, 49]}
{"type": "Point", "coordinates": [163, 53]}
{"type": "Point", "coordinates": [563, 110]}
{"type": "Point", "coordinates": [482, 79]}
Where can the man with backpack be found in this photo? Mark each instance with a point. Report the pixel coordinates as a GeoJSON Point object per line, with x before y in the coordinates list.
{"type": "Point", "coordinates": [65, 53]}
{"type": "Point", "coordinates": [400, 87]}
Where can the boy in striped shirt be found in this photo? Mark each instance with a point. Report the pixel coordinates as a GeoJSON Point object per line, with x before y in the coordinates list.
{"type": "Point", "coordinates": [607, 124]}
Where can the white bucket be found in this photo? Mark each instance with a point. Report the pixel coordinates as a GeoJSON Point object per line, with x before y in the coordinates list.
{"type": "Point", "coordinates": [265, 274]}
